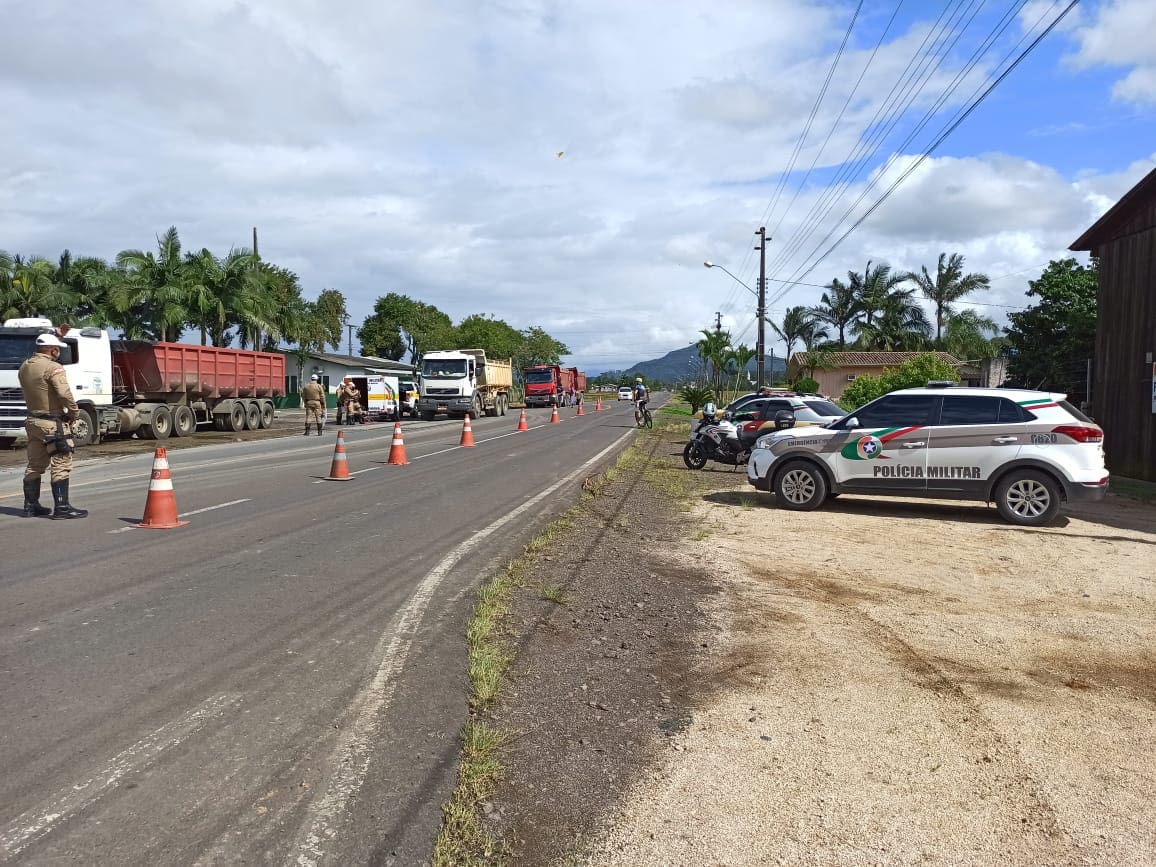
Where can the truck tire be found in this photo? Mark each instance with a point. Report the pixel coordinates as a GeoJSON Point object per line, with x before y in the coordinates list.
{"type": "Point", "coordinates": [159, 425]}
{"type": "Point", "coordinates": [267, 414]}
{"type": "Point", "coordinates": [503, 404]}
{"type": "Point", "coordinates": [184, 421]}
{"type": "Point", "coordinates": [475, 411]}
{"type": "Point", "coordinates": [236, 417]}
{"type": "Point", "coordinates": [84, 432]}
{"type": "Point", "coordinates": [252, 416]}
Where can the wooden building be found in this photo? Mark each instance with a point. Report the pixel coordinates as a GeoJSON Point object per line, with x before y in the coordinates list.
{"type": "Point", "coordinates": [1124, 240]}
{"type": "Point", "coordinates": [846, 367]}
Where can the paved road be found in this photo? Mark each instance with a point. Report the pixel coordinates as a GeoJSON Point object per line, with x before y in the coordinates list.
{"type": "Point", "coordinates": [281, 680]}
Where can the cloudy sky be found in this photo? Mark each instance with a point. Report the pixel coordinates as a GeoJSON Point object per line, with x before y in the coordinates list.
{"type": "Point", "coordinates": [572, 164]}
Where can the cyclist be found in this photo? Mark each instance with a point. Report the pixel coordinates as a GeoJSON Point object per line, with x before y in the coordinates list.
{"type": "Point", "coordinates": [641, 396]}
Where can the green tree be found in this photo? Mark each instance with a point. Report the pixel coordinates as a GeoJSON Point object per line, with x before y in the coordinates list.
{"type": "Point", "coordinates": [871, 290]}
{"type": "Point", "coordinates": [970, 336]}
{"type": "Point", "coordinates": [739, 357]}
{"type": "Point", "coordinates": [498, 338]}
{"type": "Point", "coordinates": [1051, 341]}
{"type": "Point", "coordinates": [948, 286]}
{"type": "Point", "coordinates": [899, 325]}
{"type": "Point", "coordinates": [151, 297]}
{"type": "Point", "coordinates": [32, 290]}
{"type": "Point", "coordinates": [713, 349]}
{"type": "Point", "coordinates": [838, 308]}
{"type": "Point", "coordinates": [695, 395]}
{"type": "Point", "coordinates": [798, 325]}
{"type": "Point", "coordinates": [398, 319]}
{"type": "Point", "coordinates": [913, 373]}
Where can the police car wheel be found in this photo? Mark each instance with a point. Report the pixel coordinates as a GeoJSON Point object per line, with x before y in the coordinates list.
{"type": "Point", "coordinates": [800, 486]}
{"type": "Point", "coordinates": [1028, 498]}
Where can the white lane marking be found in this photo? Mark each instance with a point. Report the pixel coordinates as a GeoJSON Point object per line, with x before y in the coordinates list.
{"type": "Point", "coordinates": [355, 748]}
{"type": "Point", "coordinates": [194, 512]}
{"type": "Point", "coordinates": [34, 824]}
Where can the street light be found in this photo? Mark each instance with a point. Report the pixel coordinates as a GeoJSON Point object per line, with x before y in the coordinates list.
{"type": "Point", "coordinates": [761, 343]}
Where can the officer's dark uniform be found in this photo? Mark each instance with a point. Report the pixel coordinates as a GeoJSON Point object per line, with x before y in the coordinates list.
{"type": "Point", "coordinates": [313, 396]}
{"type": "Point", "coordinates": [47, 396]}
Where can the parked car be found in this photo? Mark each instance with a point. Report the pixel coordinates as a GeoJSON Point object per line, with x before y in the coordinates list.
{"type": "Point", "coordinates": [1026, 451]}
{"type": "Point", "coordinates": [408, 395]}
{"type": "Point", "coordinates": [625, 392]}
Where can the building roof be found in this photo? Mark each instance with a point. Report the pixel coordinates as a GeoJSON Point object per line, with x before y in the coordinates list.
{"type": "Point", "coordinates": [873, 359]}
{"type": "Point", "coordinates": [1101, 229]}
{"type": "Point", "coordinates": [370, 361]}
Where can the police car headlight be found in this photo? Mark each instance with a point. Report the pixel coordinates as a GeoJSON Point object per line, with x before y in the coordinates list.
{"type": "Point", "coordinates": [771, 440]}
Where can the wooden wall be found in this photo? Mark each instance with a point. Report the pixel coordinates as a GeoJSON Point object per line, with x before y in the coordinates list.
{"type": "Point", "coordinates": [1126, 335]}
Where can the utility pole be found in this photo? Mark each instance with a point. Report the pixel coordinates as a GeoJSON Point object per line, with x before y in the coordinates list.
{"type": "Point", "coordinates": [761, 347]}
{"type": "Point", "coordinates": [350, 344]}
{"type": "Point", "coordinates": [256, 255]}
{"type": "Point", "coordinates": [717, 321]}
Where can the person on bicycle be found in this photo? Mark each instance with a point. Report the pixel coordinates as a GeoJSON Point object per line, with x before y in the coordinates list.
{"type": "Point", "coordinates": [641, 397]}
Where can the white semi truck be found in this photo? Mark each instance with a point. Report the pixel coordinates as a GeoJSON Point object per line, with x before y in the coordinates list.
{"type": "Point", "coordinates": [464, 382]}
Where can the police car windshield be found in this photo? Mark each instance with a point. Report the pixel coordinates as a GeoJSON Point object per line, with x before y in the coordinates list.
{"type": "Point", "coordinates": [824, 407]}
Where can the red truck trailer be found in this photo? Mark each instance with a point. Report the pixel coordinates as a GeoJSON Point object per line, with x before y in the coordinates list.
{"type": "Point", "coordinates": [167, 388]}
{"type": "Point", "coordinates": [544, 385]}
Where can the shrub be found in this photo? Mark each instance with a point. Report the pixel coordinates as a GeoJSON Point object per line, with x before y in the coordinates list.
{"type": "Point", "coordinates": [912, 373]}
{"type": "Point", "coordinates": [806, 385]}
{"type": "Point", "coordinates": [696, 396]}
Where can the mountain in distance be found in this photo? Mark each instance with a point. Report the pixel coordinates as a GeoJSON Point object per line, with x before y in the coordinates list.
{"type": "Point", "coordinates": [681, 365]}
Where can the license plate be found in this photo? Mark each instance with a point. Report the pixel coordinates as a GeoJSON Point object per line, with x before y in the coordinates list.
{"type": "Point", "coordinates": [443, 407]}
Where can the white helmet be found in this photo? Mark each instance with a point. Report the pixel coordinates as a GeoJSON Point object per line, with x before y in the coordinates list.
{"type": "Point", "coordinates": [314, 377]}
{"type": "Point", "coordinates": [49, 340]}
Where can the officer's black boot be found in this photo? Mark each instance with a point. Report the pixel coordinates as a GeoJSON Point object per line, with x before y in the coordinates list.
{"type": "Point", "coordinates": [63, 509]}
{"type": "Point", "coordinates": [319, 429]}
{"type": "Point", "coordinates": [32, 507]}
{"type": "Point", "coordinates": [306, 431]}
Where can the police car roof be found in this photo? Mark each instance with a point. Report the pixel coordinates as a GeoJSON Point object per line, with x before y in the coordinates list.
{"type": "Point", "coordinates": [979, 390]}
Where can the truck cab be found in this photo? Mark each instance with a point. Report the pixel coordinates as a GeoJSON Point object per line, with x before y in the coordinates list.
{"type": "Point", "coordinates": [463, 382]}
{"type": "Point", "coordinates": [87, 361]}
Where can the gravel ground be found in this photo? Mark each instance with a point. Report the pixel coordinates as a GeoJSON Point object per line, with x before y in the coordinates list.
{"type": "Point", "coordinates": [883, 681]}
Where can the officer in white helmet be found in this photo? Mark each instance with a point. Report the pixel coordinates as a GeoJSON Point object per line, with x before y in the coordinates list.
{"type": "Point", "coordinates": [313, 399]}
{"type": "Point", "coordinates": [51, 409]}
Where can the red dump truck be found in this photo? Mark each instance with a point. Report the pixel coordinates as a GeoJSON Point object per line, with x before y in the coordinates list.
{"type": "Point", "coordinates": [544, 385]}
{"type": "Point", "coordinates": [154, 390]}
{"type": "Point", "coordinates": [575, 379]}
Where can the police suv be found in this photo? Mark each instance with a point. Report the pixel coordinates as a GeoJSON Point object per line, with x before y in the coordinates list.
{"type": "Point", "coordinates": [1025, 450]}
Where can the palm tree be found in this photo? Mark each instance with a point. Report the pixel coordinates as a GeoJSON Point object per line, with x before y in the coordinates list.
{"type": "Point", "coordinates": [712, 349]}
{"type": "Point", "coordinates": [151, 297]}
{"type": "Point", "coordinates": [969, 336]}
{"type": "Point", "coordinates": [798, 323]}
{"type": "Point", "coordinates": [741, 355]}
{"type": "Point", "coordinates": [837, 308]}
{"type": "Point", "coordinates": [949, 285]}
{"type": "Point", "coordinates": [900, 324]}
{"type": "Point", "coordinates": [32, 290]}
{"type": "Point", "coordinates": [871, 288]}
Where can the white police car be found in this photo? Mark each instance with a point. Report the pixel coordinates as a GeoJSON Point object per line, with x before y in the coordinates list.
{"type": "Point", "coordinates": [1026, 451]}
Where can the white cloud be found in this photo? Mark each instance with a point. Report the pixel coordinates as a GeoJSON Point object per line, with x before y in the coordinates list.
{"type": "Point", "coordinates": [410, 147]}
{"type": "Point", "coordinates": [1120, 34]}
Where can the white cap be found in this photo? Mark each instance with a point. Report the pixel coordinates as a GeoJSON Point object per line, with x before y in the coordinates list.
{"type": "Point", "coordinates": [49, 340]}
{"type": "Point", "coordinates": [314, 377]}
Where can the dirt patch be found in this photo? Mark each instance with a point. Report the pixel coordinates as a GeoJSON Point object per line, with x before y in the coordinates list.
{"type": "Point", "coordinates": [880, 681]}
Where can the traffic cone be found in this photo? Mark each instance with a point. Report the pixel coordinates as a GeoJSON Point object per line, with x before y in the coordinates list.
{"type": "Point", "coordinates": [467, 434]}
{"type": "Point", "coordinates": [161, 504]}
{"type": "Point", "coordinates": [554, 415]}
{"type": "Point", "coordinates": [598, 406]}
{"type": "Point", "coordinates": [339, 469]}
{"type": "Point", "coordinates": [522, 423]}
{"type": "Point", "coordinates": [580, 412]}
{"type": "Point", "coordinates": [397, 449]}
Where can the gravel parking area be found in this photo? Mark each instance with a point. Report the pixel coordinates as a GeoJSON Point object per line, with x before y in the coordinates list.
{"type": "Point", "coordinates": [882, 681]}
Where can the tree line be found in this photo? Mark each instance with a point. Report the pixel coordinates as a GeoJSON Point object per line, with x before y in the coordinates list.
{"type": "Point", "coordinates": [238, 298]}
{"type": "Point", "coordinates": [1046, 345]}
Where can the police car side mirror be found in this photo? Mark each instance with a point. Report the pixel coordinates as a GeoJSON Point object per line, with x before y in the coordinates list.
{"type": "Point", "coordinates": [851, 423]}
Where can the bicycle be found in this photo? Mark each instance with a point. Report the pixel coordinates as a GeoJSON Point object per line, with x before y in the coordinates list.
{"type": "Point", "coordinates": [646, 420]}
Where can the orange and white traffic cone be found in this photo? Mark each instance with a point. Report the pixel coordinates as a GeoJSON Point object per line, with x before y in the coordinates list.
{"type": "Point", "coordinates": [339, 469]}
{"type": "Point", "coordinates": [467, 434]}
{"type": "Point", "coordinates": [554, 415]}
{"type": "Point", "coordinates": [580, 412]}
{"type": "Point", "coordinates": [161, 504]}
{"type": "Point", "coordinates": [522, 423]}
{"type": "Point", "coordinates": [598, 406]}
{"type": "Point", "coordinates": [397, 448]}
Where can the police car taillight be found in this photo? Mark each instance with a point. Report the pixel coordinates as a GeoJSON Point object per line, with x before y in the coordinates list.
{"type": "Point", "coordinates": [1081, 433]}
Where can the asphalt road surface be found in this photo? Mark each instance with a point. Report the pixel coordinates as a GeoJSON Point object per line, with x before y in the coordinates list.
{"type": "Point", "coordinates": [282, 680]}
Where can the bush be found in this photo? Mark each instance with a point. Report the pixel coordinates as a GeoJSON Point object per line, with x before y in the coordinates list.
{"type": "Point", "coordinates": [696, 396]}
{"type": "Point", "coordinates": [913, 373]}
{"type": "Point", "coordinates": [806, 385]}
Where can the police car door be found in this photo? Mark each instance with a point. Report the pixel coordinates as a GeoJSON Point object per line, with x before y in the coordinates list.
{"type": "Point", "coordinates": [886, 448]}
{"type": "Point", "coordinates": [975, 435]}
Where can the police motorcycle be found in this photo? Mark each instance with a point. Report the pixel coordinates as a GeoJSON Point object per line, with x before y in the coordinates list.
{"type": "Point", "coordinates": [724, 440]}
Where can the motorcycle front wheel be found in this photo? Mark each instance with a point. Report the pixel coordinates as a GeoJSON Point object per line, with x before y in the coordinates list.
{"type": "Point", "coordinates": [693, 456]}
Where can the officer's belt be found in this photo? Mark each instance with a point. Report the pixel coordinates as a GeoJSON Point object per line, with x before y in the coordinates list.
{"type": "Point", "coordinates": [46, 415]}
